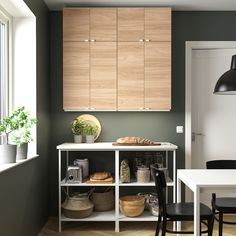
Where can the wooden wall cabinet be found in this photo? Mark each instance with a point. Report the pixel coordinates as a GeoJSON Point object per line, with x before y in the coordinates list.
{"type": "Point", "coordinates": [75, 75]}
{"type": "Point", "coordinates": [158, 24]}
{"type": "Point", "coordinates": [76, 24]}
{"type": "Point", "coordinates": [103, 24]}
{"type": "Point", "coordinates": [103, 80]}
{"type": "Point", "coordinates": [117, 59]}
{"type": "Point", "coordinates": [158, 76]}
{"type": "Point", "coordinates": [130, 24]}
{"type": "Point", "coordinates": [89, 71]}
{"type": "Point", "coordinates": [144, 24]}
{"type": "Point", "coordinates": [130, 75]}
{"type": "Point", "coordinates": [144, 60]}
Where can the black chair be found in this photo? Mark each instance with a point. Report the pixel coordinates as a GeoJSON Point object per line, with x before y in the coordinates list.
{"type": "Point", "coordinates": [222, 205]}
{"type": "Point", "coordinates": [177, 211]}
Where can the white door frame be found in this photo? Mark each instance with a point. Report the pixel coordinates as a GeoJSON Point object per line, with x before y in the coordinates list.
{"type": "Point", "coordinates": [189, 47]}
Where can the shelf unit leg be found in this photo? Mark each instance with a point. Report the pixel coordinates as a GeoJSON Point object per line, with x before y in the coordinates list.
{"type": "Point", "coordinates": [59, 189]}
{"type": "Point", "coordinates": [117, 226]}
{"type": "Point", "coordinates": [117, 176]}
{"type": "Point", "coordinates": [67, 164]}
{"type": "Point", "coordinates": [167, 166]}
{"type": "Point", "coordinates": [174, 187]}
{"type": "Point", "coordinates": [174, 176]}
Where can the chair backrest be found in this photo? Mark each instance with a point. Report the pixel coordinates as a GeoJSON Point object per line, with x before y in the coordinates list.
{"type": "Point", "coordinates": [221, 164]}
{"type": "Point", "coordinates": [160, 184]}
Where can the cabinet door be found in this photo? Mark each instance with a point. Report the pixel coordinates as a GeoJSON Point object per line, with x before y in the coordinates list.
{"type": "Point", "coordinates": [158, 75]}
{"type": "Point", "coordinates": [130, 24]}
{"type": "Point", "coordinates": [103, 75]}
{"type": "Point", "coordinates": [103, 24]}
{"type": "Point", "coordinates": [75, 24]}
{"type": "Point", "coordinates": [75, 75]}
{"type": "Point", "coordinates": [130, 75]}
{"type": "Point", "coordinates": [158, 24]}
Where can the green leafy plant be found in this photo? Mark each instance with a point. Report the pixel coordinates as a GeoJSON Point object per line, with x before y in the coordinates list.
{"type": "Point", "coordinates": [22, 134]}
{"type": "Point", "coordinates": [17, 120]}
{"type": "Point", "coordinates": [77, 126]}
{"type": "Point", "coordinates": [90, 129]}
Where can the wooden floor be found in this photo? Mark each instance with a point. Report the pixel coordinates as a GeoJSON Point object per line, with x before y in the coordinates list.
{"type": "Point", "coordinates": [107, 229]}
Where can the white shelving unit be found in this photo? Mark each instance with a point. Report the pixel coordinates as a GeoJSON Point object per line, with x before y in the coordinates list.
{"type": "Point", "coordinates": [114, 215]}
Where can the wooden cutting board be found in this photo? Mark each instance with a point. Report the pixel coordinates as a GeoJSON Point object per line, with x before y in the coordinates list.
{"type": "Point", "coordinates": [135, 144]}
{"type": "Point", "coordinates": [105, 181]}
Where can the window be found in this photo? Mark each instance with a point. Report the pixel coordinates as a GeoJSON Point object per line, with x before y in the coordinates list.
{"type": "Point", "coordinates": [18, 64]}
{"type": "Point", "coordinates": [4, 64]}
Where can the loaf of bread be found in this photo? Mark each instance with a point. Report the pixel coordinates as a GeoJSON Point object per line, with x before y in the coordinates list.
{"type": "Point", "coordinates": [100, 175]}
{"type": "Point", "coordinates": [130, 139]}
{"type": "Point", "coordinates": [134, 140]}
{"type": "Point", "coordinates": [146, 141]}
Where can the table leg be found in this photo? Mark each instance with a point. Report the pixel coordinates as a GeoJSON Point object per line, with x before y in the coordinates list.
{"type": "Point", "coordinates": [196, 212]}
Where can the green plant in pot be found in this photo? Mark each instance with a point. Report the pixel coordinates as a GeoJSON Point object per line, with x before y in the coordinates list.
{"type": "Point", "coordinates": [77, 128]}
{"type": "Point", "coordinates": [22, 136]}
{"type": "Point", "coordinates": [8, 126]}
{"type": "Point", "coordinates": [90, 131]}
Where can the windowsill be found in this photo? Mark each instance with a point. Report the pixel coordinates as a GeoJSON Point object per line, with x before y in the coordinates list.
{"type": "Point", "coordinates": [4, 167]}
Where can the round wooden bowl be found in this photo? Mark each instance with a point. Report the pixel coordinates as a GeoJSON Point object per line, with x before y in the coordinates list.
{"type": "Point", "coordinates": [132, 200]}
{"type": "Point", "coordinates": [132, 206]}
{"type": "Point", "coordinates": [132, 211]}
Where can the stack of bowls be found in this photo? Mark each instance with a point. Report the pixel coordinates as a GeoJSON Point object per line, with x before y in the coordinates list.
{"type": "Point", "coordinates": [132, 206]}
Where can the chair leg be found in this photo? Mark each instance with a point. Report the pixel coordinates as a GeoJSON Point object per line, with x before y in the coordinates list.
{"type": "Point", "coordinates": [220, 223]}
{"type": "Point", "coordinates": [210, 223]}
{"type": "Point", "coordinates": [158, 226]}
{"type": "Point", "coordinates": [200, 228]}
{"type": "Point", "coordinates": [163, 227]}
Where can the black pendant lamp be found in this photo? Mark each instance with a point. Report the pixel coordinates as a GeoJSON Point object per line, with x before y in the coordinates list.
{"type": "Point", "coordinates": [227, 82]}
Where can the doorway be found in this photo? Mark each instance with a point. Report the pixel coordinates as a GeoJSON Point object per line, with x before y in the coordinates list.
{"type": "Point", "coordinates": [210, 119]}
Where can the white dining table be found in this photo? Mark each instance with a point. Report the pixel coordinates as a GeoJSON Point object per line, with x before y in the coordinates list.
{"type": "Point", "coordinates": [204, 179]}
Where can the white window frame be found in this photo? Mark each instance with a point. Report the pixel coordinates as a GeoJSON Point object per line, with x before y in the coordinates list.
{"type": "Point", "coordinates": [6, 19]}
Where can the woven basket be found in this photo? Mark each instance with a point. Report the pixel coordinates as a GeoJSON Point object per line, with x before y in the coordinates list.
{"type": "Point", "coordinates": [77, 206]}
{"type": "Point", "coordinates": [103, 199]}
{"type": "Point", "coordinates": [78, 214]}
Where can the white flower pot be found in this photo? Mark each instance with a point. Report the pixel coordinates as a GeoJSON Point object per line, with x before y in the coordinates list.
{"type": "Point", "coordinates": [21, 152]}
{"type": "Point", "coordinates": [78, 138]}
{"type": "Point", "coordinates": [89, 138]}
{"type": "Point", "coordinates": [7, 153]}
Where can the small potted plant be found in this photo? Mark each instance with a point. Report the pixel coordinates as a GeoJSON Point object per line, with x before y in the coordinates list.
{"type": "Point", "coordinates": [9, 125]}
{"type": "Point", "coordinates": [22, 136]}
{"type": "Point", "coordinates": [90, 131]}
{"type": "Point", "coordinates": [77, 128]}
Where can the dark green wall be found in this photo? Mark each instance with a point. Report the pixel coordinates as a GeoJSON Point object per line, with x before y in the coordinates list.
{"type": "Point", "coordinates": [158, 126]}
{"type": "Point", "coordinates": [24, 194]}
{"type": "Point", "coordinates": [187, 26]}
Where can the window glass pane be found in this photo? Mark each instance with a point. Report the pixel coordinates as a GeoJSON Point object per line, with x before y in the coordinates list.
{"type": "Point", "coordinates": [2, 49]}
{"type": "Point", "coordinates": [3, 67]}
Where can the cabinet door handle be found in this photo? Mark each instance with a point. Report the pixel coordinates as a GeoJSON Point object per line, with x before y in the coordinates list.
{"type": "Point", "coordinates": [93, 40]}
{"type": "Point", "coordinates": [141, 40]}
{"type": "Point", "coordinates": [147, 108]}
{"type": "Point", "coordinates": [147, 40]}
{"type": "Point", "coordinates": [92, 108]}
{"type": "Point", "coordinates": [141, 108]}
{"type": "Point", "coordinates": [86, 40]}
